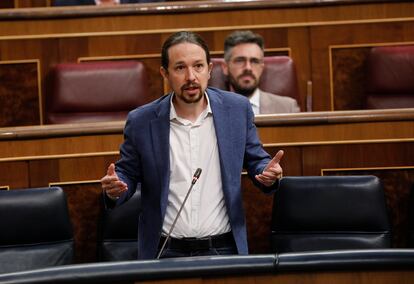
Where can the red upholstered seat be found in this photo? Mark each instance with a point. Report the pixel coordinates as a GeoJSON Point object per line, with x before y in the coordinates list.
{"type": "Point", "coordinates": [279, 76]}
{"type": "Point", "coordinates": [390, 81]}
{"type": "Point", "coordinates": [96, 91]}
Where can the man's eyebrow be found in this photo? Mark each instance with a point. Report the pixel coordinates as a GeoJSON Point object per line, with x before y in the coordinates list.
{"type": "Point", "coordinates": [252, 57]}
{"type": "Point", "coordinates": [178, 63]}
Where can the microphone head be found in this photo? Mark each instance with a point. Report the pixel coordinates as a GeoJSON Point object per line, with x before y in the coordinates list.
{"type": "Point", "coordinates": [197, 173]}
{"type": "Point", "coordinates": [196, 176]}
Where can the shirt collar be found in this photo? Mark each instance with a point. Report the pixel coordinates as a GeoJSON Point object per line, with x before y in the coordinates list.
{"type": "Point", "coordinates": [255, 98]}
{"type": "Point", "coordinates": [173, 113]}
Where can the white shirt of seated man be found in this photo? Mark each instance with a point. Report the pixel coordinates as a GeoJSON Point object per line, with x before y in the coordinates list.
{"type": "Point", "coordinates": [255, 101]}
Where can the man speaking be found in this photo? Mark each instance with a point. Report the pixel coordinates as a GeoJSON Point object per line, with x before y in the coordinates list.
{"type": "Point", "coordinates": [166, 141]}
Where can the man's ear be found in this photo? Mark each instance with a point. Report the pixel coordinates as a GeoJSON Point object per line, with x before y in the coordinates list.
{"type": "Point", "coordinates": [225, 68]}
{"type": "Point", "coordinates": [164, 73]}
{"type": "Point", "coordinates": [210, 68]}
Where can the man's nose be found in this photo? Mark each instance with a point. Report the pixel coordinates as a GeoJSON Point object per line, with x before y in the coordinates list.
{"type": "Point", "coordinates": [190, 74]}
{"type": "Point", "coordinates": [247, 65]}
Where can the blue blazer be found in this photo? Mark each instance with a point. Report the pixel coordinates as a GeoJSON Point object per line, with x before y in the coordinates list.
{"type": "Point", "coordinates": [145, 162]}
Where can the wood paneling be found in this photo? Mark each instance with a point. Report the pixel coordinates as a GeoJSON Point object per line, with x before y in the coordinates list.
{"type": "Point", "coordinates": [324, 37]}
{"type": "Point", "coordinates": [338, 132]}
{"type": "Point", "coordinates": [85, 208]}
{"type": "Point", "coordinates": [204, 14]}
{"type": "Point", "coordinates": [68, 169]}
{"type": "Point", "coordinates": [19, 94]}
{"type": "Point", "coordinates": [42, 172]}
{"type": "Point", "coordinates": [15, 174]}
{"type": "Point", "coordinates": [31, 3]}
{"type": "Point", "coordinates": [338, 126]}
{"type": "Point", "coordinates": [309, 32]}
{"type": "Point", "coordinates": [298, 40]}
{"type": "Point", "coordinates": [257, 207]}
{"type": "Point", "coordinates": [349, 77]}
{"type": "Point", "coordinates": [60, 146]}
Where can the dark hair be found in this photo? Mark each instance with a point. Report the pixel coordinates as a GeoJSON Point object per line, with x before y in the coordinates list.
{"type": "Point", "coordinates": [180, 37]}
{"type": "Point", "coordinates": [239, 37]}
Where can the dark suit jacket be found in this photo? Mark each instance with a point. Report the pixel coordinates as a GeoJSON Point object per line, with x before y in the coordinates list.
{"type": "Point", "coordinates": [145, 161]}
{"type": "Point", "coordinates": [92, 2]}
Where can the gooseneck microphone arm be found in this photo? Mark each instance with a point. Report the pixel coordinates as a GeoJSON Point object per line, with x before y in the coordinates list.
{"type": "Point", "coordinates": [196, 176]}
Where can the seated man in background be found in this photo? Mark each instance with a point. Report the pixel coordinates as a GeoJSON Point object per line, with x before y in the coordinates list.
{"type": "Point", "coordinates": [243, 55]}
{"type": "Point", "coordinates": [99, 2]}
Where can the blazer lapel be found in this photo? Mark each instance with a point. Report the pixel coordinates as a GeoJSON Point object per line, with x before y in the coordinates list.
{"type": "Point", "coordinates": [160, 132]}
{"type": "Point", "coordinates": [224, 132]}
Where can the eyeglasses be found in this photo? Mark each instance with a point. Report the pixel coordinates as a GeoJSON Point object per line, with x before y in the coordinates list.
{"type": "Point", "coordinates": [242, 61]}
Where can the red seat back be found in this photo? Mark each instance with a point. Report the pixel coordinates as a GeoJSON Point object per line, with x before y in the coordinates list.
{"type": "Point", "coordinates": [390, 81]}
{"type": "Point", "coordinates": [96, 91]}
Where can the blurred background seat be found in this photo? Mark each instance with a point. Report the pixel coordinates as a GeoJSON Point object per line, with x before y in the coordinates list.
{"type": "Point", "coordinates": [279, 76]}
{"type": "Point", "coordinates": [390, 81]}
{"type": "Point", "coordinates": [329, 213]}
{"type": "Point", "coordinates": [35, 229]}
{"type": "Point", "coordinates": [118, 234]}
{"type": "Point", "coordinates": [96, 91]}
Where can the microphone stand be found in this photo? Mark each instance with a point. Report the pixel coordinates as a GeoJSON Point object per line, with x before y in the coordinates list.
{"type": "Point", "coordinates": [195, 178]}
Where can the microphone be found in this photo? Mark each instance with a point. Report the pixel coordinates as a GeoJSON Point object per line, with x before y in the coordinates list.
{"type": "Point", "coordinates": [196, 176]}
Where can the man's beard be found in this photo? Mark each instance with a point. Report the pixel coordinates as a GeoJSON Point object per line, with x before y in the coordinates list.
{"type": "Point", "coordinates": [245, 91]}
{"type": "Point", "coordinates": [188, 99]}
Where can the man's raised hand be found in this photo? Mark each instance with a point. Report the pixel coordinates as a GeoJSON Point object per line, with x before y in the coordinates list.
{"type": "Point", "coordinates": [111, 185]}
{"type": "Point", "coordinates": [272, 172]}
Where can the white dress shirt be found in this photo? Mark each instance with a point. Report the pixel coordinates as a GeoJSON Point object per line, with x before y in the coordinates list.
{"type": "Point", "coordinates": [192, 146]}
{"type": "Point", "coordinates": [255, 101]}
